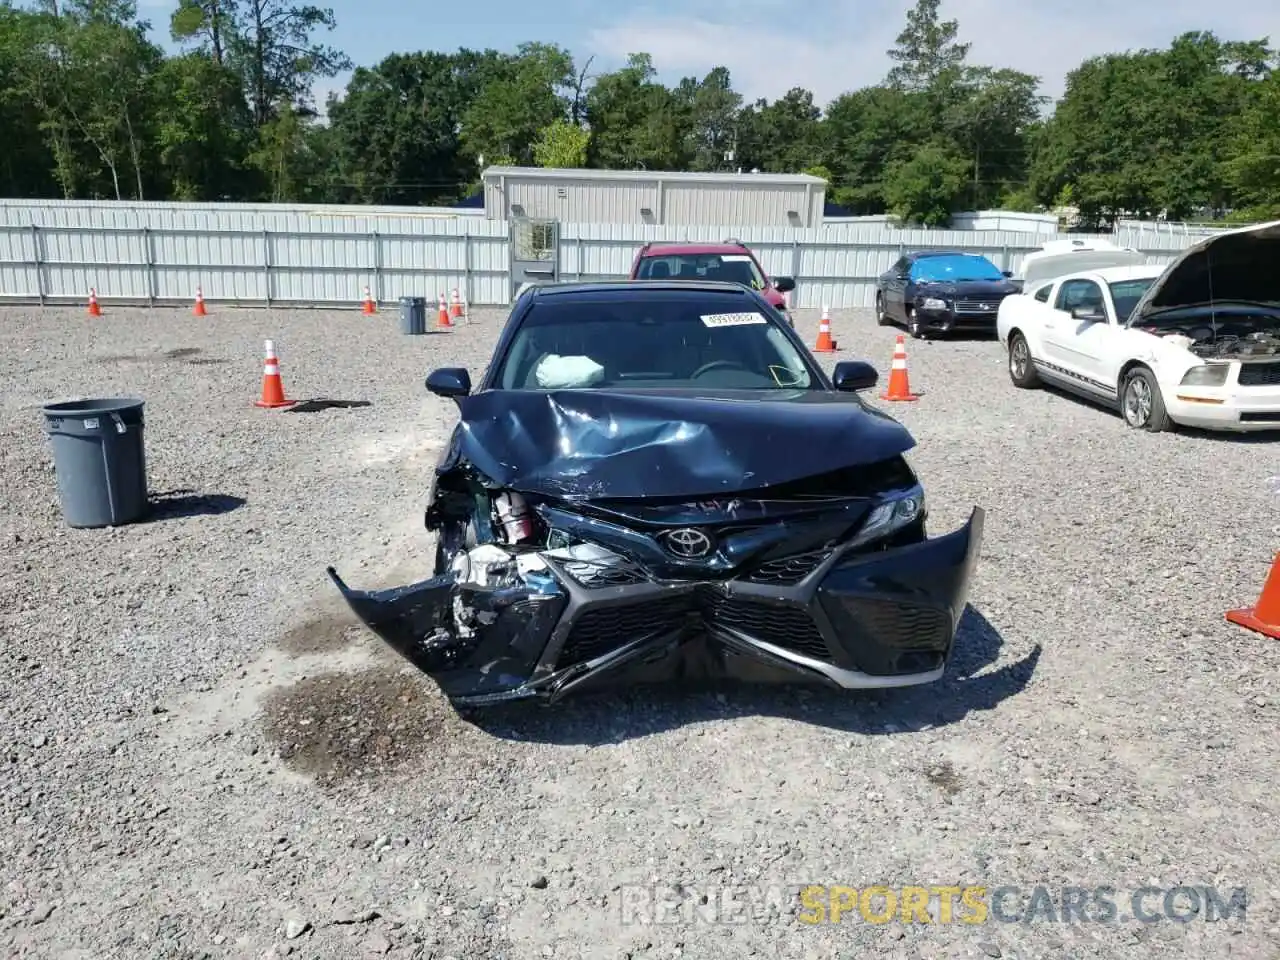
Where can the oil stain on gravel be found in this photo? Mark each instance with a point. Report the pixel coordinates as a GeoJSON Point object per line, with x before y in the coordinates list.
{"type": "Point", "coordinates": [943, 776]}
{"type": "Point", "coordinates": [341, 726]}
{"type": "Point", "coordinates": [189, 355]}
{"type": "Point", "coordinates": [325, 634]}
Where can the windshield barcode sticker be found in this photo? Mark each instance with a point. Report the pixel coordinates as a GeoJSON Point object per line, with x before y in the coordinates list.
{"type": "Point", "coordinates": [732, 319]}
{"type": "Point", "coordinates": [735, 258]}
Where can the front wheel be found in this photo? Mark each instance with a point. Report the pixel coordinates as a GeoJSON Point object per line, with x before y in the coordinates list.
{"type": "Point", "coordinates": [1021, 370]}
{"type": "Point", "coordinates": [1141, 403]}
{"type": "Point", "coordinates": [882, 318]}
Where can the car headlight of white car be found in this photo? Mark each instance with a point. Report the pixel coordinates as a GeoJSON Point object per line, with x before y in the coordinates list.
{"type": "Point", "coordinates": [1206, 375]}
{"type": "Point", "coordinates": [933, 303]}
{"type": "Point", "coordinates": [900, 509]}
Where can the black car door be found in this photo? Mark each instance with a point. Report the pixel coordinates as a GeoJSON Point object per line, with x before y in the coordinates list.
{"type": "Point", "coordinates": [895, 286]}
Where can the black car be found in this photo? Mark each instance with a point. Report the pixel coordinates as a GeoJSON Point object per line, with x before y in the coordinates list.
{"type": "Point", "coordinates": [942, 290]}
{"type": "Point", "coordinates": [655, 480]}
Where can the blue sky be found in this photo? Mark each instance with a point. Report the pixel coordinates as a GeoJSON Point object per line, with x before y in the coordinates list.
{"type": "Point", "coordinates": [828, 46]}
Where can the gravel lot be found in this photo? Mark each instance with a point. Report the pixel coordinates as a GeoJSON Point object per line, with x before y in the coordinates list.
{"type": "Point", "coordinates": [206, 759]}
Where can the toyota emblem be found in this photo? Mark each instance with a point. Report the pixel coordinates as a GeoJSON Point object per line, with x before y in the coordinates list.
{"type": "Point", "coordinates": [688, 543]}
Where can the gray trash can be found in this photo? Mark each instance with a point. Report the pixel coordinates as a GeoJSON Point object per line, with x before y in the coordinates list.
{"type": "Point", "coordinates": [413, 315]}
{"type": "Point", "coordinates": [99, 459]}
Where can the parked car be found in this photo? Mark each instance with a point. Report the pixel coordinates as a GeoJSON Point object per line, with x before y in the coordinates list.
{"type": "Point", "coordinates": [938, 291]}
{"type": "Point", "coordinates": [1196, 342]}
{"type": "Point", "coordinates": [655, 479]}
{"type": "Point", "coordinates": [732, 261]}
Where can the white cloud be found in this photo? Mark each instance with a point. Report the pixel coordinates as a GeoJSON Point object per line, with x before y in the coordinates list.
{"type": "Point", "coordinates": [770, 46]}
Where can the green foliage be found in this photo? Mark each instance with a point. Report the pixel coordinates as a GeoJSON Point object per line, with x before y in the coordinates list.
{"type": "Point", "coordinates": [562, 144]}
{"type": "Point", "coordinates": [923, 190]}
{"type": "Point", "coordinates": [91, 108]}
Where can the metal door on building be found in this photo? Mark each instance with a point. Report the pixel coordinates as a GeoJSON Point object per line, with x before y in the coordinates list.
{"type": "Point", "coordinates": [535, 252]}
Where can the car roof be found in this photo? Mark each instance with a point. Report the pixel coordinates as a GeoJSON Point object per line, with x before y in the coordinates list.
{"type": "Point", "coordinates": [630, 289]}
{"type": "Point", "coordinates": [921, 254]}
{"type": "Point", "coordinates": [1140, 271]}
{"type": "Point", "coordinates": [671, 249]}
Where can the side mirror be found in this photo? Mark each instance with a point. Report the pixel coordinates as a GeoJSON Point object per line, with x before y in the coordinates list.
{"type": "Point", "coordinates": [449, 382]}
{"type": "Point", "coordinates": [850, 376]}
{"type": "Point", "coordinates": [1087, 315]}
{"type": "Point", "coordinates": [1007, 274]}
{"type": "Point", "coordinates": [784, 284]}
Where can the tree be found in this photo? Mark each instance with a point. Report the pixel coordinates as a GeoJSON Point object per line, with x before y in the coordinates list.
{"type": "Point", "coordinates": [520, 96]}
{"type": "Point", "coordinates": [864, 133]}
{"type": "Point", "coordinates": [562, 144]}
{"type": "Point", "coordinates": [780, 137]}
{"type": "Point", "coordinates": [711, 106]}
{"type": "Point", "coordinates": [1251, 167]}
{"type": "Point", "coordinates": [927, 50]}
{"type": "Point", "coordinates": [634, 121]}
{"type": "Point", "coordinates": [204, 134]}
{"type": "Point", "coordinates": [210, 23]}
{"type": "Point", "coordinates": [990, 118]}
{"type": "Point", "coordinates": [924, 190]}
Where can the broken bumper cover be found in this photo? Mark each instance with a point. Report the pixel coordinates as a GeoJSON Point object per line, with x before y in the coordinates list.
{"type": "Point", "coordinates": [861, 620]}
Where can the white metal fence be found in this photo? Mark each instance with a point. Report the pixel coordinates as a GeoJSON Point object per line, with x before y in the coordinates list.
{"type": "Point", "coordinates": [55, 251]}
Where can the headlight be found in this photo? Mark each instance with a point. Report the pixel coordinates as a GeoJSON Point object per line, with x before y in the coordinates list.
{"type": "Point", "coordinates": [933, 303]}
{"type": "Point", "coordinates": [903, 509]}
{"type": "Point", "coordinates": [1206, 375]}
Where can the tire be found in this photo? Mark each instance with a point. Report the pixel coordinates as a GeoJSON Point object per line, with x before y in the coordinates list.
{"type": "Point", "coordinates": [882, 319]}
{"type": "Point", "coordinates": [1141, 404]}
{"type": "Point", "coordinates": [1021, 370]}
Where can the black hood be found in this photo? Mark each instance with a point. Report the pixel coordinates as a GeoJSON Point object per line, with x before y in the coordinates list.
{"type": "Point", "coordinates": [968, 289]}
{"type": "Point", "coordinates": [619, 444]}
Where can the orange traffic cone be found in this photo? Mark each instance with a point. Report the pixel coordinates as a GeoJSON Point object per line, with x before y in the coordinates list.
{"type": "Point", "coordinates": [199, 310]}
{"type": "Point", "coordinates": [442, 318]}
{"type": "Point", "coordinates": [899, 387]}
{"type": "Point", "coordinates": [825, 344]}
{"type": "Point", "coordinates": [1264, 618]}
{"type": "Point", "coordinates": [369, 306]}
{"type": "Point", "coordinates": [455, 308]}
{"type": "Point", "coordinates": [94, 309]}
{"type": "Point", "coordinates": [272, 385]}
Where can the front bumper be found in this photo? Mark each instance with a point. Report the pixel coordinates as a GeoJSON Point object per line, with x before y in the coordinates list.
{"type": "Point", "coordinates": [1233, 408]}
{"type": "Point", "coordinates": [849, 620]}
{"type": "Point", "coordinates": [946, 321]}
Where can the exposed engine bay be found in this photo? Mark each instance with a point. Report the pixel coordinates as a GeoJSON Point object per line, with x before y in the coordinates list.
{"type": "Point", "coordinates": [1233, 338]}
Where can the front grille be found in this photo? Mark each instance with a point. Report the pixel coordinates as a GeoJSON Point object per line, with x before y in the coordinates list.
{"type": "Point", "coordinates": [903, 625]}
{"type": "Point", "coordinates": [1259, 375]}
{"type": "Point", "coordinates": [978, 306]}
{"type": "Point", "coordinates": [593, 576]}
{"type": "Point", "coordinates": [601, 629]}
{"type": "Point", "coordinates": [787, 570]}
{"type": "Point", "coordinates": [783, 626]}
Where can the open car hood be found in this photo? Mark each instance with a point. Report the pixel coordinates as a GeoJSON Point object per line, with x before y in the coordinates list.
{"type": "Point", "coordinates": [1060, 257]}
{"type": "Point", "coordinates": [1237, 265]}
{"type": "Point", "coordinates": [620, 444]}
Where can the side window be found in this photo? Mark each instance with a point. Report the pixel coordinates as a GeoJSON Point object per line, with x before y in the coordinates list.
{"type": "Point", "coordinates": [1080, 294]}
{"type": "Point", "coordinates": [899, 269]}
{"type": "Point", "coordinates": [1043, 293]}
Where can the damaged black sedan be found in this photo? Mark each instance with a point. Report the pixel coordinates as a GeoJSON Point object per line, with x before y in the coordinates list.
{"type": "Point", "coordinates": [656, 481]}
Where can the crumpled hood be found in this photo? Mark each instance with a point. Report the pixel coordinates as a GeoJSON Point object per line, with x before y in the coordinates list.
{"type": "Point", "coordinates": [617, 444]}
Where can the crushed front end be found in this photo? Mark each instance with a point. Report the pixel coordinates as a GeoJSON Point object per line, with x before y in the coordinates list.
{"type": "Point", "coordinates": [827, 579]}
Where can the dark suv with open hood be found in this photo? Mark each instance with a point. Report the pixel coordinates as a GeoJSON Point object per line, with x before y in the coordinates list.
{"type": "Point", "coordinates": [942, 290]}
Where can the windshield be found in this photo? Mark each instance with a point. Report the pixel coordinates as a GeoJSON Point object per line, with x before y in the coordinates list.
{"type": "Point", "coordinates": [692, 342]}
{"type": "Point", "coordinates": [1125, 294]}
{"type": "Point", "coordinates": [725, 267]}
{"type": "Point", "coordinates": [954, 268]}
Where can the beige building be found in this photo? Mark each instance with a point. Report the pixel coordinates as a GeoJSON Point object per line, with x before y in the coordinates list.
{"type": "Point", "coordinates": [653, 197]}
